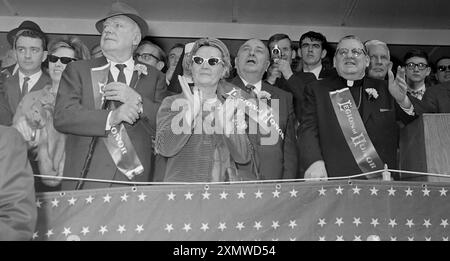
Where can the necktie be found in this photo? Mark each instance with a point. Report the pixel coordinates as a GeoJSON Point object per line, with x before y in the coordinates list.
{"type": "Point", "coordinates": [25, 86]}
{"type": "Point", "coordinates": [121, 77]}
{"type": "Point", "coordinates": [250, 89]}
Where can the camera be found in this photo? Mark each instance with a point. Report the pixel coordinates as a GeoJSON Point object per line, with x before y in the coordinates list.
{"type": "Point", "coordinates": [276, 53]}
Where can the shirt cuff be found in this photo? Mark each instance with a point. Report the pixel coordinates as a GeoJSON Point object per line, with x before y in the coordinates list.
{"type": "Point", "coordinates": [108, 125]}
{"type": "Point", "coordinates": [410, 110]}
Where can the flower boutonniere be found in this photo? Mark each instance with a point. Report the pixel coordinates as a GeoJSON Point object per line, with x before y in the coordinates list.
{"type": "Point", "coordinates": [264, 95]}
{"type": "Point", "coordinates": [141, 69]}
{"type": "Point", "coordinates": [373, 94]}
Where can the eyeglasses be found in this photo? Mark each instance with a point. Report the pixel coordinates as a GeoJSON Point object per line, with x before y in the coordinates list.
{"type": "Point", "coordinates": [147, 56]}
{"type": "Point", "coordinates": [443, 68]}
{"type": "Point", "coordinates": [357, 52]}
{"type": "Point", "coordinates": [211, 61]}
{"type": "Point", "coordinates": [412, 66]}
{"type": "Point", "coordinates": [64, 60]}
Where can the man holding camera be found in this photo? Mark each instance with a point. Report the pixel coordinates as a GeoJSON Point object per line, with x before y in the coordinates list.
{"type": "Point", "coordinates": [312, 50]}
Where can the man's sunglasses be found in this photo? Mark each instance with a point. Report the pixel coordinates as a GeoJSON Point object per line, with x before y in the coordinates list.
{"type": "Point", "coordinates": [64, 60]}
{"type": "Point", "coordinates": [211, 61]}
{"type": "Point", "coordinates": [443, 68]}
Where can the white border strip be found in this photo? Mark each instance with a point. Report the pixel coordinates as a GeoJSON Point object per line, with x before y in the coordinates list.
{"type": "Point", "coordinates": [239, 31]}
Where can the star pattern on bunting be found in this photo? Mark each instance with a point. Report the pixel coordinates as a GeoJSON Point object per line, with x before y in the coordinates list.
{"type": "Point", "coordinates": [392, 191]}
{"type": "Point", "coordinates": [241, 195]}
{"type": "Point", "coordinates": [374, 191]}
{"type": "Point", "coordinates": [55, 202]}
{"type": "Point", "coordinates": [258, 194]}
{"type": "Point", "coordinates": [222, 226]}
{"type": "Point", "coordinates": [171, 196]}
{"type": "Point", "coordinates": [168, 228]}
{"type": "Point", "coordinates": [276, 194]}
{"type": "Point", "coordinates": [124, 197]}
{"type": "Point", "coordinates": [240, 226]}
{"type": "Point", "coordinates": [402, 223]}
{"type": "Point", "coordinates": [339, 190]}
{"type": "Point", "coordinates": [188, 196]}
{"type": "Point", "coordinates": [426, 223]}
{"type": "Point", "coordinates": [107, 198]}
{"type": "Point", "coordinates": [322, 222]}
{"type": "Point", "coordinates": [187, 227]}
{"type": "Point", "coordinates": [322, 191]}
{"type": "Point", "coordinates": [204, 227]}
{"type": "Point", "coordinates": [89, 199]}
{"type": "Point", "coordinates": [206, 195]}
{"type": "Point", "coordinates": [139, 228]}
{"type": "Point", "coordinates": [223, 195]}
{"type": "Point", "coordinates": [121, 229]}
{"type": "Point", "coordinates": [409, 223]}
{"type": "Point", "coordinates": [257, 225]}
{"type": "Point", "coordinates": [357, 221]}
{"type": "Point", "coordinates": [426, 192]}
{"type": "Point", "coordinates": [84, 231]}
{"type": "Point", "coordinates": [142, 196]}
{"type": "Point", "coordinates": [275, 225]}
{"type": "Point", "coordinates": [409, 192]}
{"type": "Point", "coordinates": [339, 221]}
{"type": "Point", "coordinates": [72, 201]}
{"type": "Point", "coordinates": [392, 223]}
{"type": "Point", "coordinates": [293, 193]}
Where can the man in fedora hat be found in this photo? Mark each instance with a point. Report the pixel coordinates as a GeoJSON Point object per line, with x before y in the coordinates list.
{"type": "Point", "coordinates": [136, 91]}
{"type": "Point", "coordinates": [25, 25]}
{"type": "Point", "coordinates": [30, 48]}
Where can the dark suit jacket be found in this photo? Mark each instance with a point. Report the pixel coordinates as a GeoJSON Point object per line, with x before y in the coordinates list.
{"type": "Point", "coordinates": [12, 89]}
{"type": "Point", "coordinates": [5, 73]}
{"type": "Point", "coordinates": [296, 85]}
{"type": "Point", "coordinates": [5, 112]}
{"type": "Point", "coordinates": [18, 213]}
{"type": "Point", "coordinates": [435, 100]}
{"type": "Point", "coordinates": [321, 137]}
{"type": "Point", "coordinates": [76, 116]}
{"type": "Point", "coordinates": [278, 161]}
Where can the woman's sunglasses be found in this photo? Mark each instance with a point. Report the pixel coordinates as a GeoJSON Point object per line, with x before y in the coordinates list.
{"type": "Point", "coordinates": [211, 61]}
{"type": "Point", "coordinates": [64, 60]}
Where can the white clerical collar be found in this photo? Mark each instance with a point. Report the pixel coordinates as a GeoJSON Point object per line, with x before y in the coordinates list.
{"type": "Point", "coordinates": [258, 85]}
{"type": "Point", "coordinates": [316, 71]}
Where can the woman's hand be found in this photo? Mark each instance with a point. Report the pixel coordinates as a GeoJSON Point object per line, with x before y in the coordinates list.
{"type": "Point", "coordinates": [231, 119]}
{"type": "Point", "coordinates": [193, 100]}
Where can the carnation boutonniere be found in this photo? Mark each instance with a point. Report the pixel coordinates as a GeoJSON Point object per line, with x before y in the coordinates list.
{"type": "Point", "coordinates": [373, 94]}
{"type": "Point", "coordinates": [141, 69]}
{"type": "Point", "coordinates": [264, 95]}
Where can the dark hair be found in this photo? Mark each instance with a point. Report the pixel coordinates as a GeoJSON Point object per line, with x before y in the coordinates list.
{"type": "Point", "coordinates": [442, 58]}
{"type": "Point", "coordinates": [161, 54]}
{"type": "Point", "coordinates": [314, 36]}
{"type": "Point", "coordinates": [72, 42]}
{"type": "Point", "coordinates": [32, 34]}
{"type": "Point", "coordinates": [415, 53]}
{"type": "Point", "coordinates": [278, 37]}
{"type": "Point", "coordinates": [177, 45]}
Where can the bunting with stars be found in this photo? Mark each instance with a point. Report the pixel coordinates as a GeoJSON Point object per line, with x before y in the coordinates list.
{"type": "Point", "coordinates": [323, 211]}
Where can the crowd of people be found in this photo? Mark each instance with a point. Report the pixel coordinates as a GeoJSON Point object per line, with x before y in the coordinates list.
{"type": "Point", "coordinates": [127, 111]}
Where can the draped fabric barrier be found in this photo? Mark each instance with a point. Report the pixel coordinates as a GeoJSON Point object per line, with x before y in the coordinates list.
{"type": "Point", "coordinates": [333, 210]}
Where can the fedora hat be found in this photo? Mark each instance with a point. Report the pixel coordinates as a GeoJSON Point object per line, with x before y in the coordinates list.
{"type": "Point", "coordinates": [119, 8]}
{"type": "Point", "coordinates": [25, 25]}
